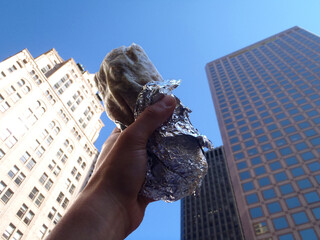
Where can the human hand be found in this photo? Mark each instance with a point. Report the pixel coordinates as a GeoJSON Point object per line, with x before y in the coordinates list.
{"type": "Point", "coordinates": [110, 206]}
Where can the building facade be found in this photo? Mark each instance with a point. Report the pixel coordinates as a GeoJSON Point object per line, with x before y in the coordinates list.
{"type": "Point", "coordinates": [212, 214]}
{"type": "Point", "coordinates": [267, 99]}
{"type": "Point", "coordinates": [49, 120]}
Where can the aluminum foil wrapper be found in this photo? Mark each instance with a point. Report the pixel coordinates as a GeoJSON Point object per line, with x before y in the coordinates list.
{"type": "Point", "coordinates": [176, 163]}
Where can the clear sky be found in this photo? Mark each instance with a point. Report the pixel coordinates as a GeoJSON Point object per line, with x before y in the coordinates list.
{"type": "Point", "coordinates": [180, 37]}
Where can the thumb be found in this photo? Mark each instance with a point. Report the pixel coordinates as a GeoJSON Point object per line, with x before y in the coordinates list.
{"type": "Point", "coordinates": [151, 118]}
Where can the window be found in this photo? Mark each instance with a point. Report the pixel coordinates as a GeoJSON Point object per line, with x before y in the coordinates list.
{"type": "Point", "coordinates": [17, 235]}
{"type": "Point", "coordinates": [316, 212]}
{"type": "Point", "coordinates": [31, 164]}
{"type": "Point", "coordinates": [308, 234]}
{"type": "Point", "coordinates": [300, 218]}
{"type": "Point", "coordinates": [52, 213]}
{"type": "Point", "coordinates": [60, 197]}
{"type": "Point", "coordinates": [65, 203]}
{"type": "Point", "coordinates": [24, 157]}
{"type": "Point", "coordinates": [43, 231]}
{"type": "Point", "coordinates": [280, 223]}
{"type": "Point", "coordinates": [7, 195]}
{"type": "Point", "coordinates": [285, 151]}
{"type": "Point", "coordinates": [48, 184]}
{"type": "Point", "coordinates": [293, 202]}
{"type": "Point", "coordinates": [79, 176]}
{"type": "Point", "coordinates": [20, 178]}
{"type": "Point", "coordinates": [34, 192]}
{"type": "Point", "coordinates": [280, 176]}
{"type": "Point", "coordinates": [57, 218]}
{"type": "Point", "coordinates": [260, 228]}
{"type": "Point", "coordinates": [39, 200]}
{"type": "Point", "coordinates": [247, 186]}
{"type": "Point", "coordinates": [260, 170]}
{"type": "Point", "coordinates": [22, 211]}
{"type": "Point", "coordinates": [310, 132]}
{"type": "Point", "coordinates": [28, 217]}
{"type": "Point", "coordinates": [255, 161]}
{"type": "Point", "coordinates": [252, 198]}
{"type": "Point", "coordinates": [256, 212]}
{"type": "Point", "coordinates": [268, 194]}
{"type": "Point", "coordinates": [314, 166]}
{"type": "Point", "coordinates": [301, 146]}
{"type": "Point", "coordinates": [265, 181]}
{"type": "Point", "coordinates": [312, 197]}
{"type": "Point", "coordinates": [2, 153]}
{"type": "Point", "coordinates": [9, 231]}
{"type": "Point", "coordinates": [43, 178]}
{"type": "Point", "coordinates": [288, 236]}
{"type": "Point", "coordinates": [274, 207]}
{"type": "Point", "coordinates": [298, 171]}
{"type": "Point", "coordinates": [13, 171]}
{"type": "Point", "coordinates": [270, 156]}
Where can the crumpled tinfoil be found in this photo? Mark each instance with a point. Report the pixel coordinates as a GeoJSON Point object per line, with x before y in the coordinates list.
{"type": "Point", "coordinates": [176, 163]}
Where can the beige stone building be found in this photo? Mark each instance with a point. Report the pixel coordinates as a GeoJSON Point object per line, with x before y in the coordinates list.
{"type": "Point", "coordinates": [49, 120]}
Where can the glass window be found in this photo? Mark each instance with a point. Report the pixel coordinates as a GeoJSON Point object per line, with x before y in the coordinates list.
{"type": "Point", "coordinates": [285, 151]}
{"type": "Point", "coordinates": [249, 143]}
{"type": "Point", "coordinates": [264, 181]}
{"type": "Point", "coordinates": [308, 234]}
{"type": "Point", "coordinates": [252, 151]}
{"type": "Point", "coordinates": [234, 140]}
{"type": "Point", "coordinates": [255, 161]}
{"type": "Point", "coordinates": [243, 129]}
{"type": "Point", "coordinates": [272, 127]}
{"type": "Point", "coordinates": [298, 118]}
{"type": "Point", "coordinates": [316, 212]}
{"type": "Point", "coordinates": [290, 129]}
{"type": "Point", "coordinates": [315, 141]}
{"type": "Point", "coordinates": [239, 156]}
{"type": "Point", "coordinates": [295, 137]}
{"type": "Point", "coordinates": [246, 136]}
{"type": "Point", "coordinates": [260, 170]}
{"type": "Point", "coordinates": [312, 197]}
{"type": "Point", "coordinates": [275, 166]}
{"type": "Point", "coordinates": [281, 142]}
{"type": "Point", "coordinates": [256, 212]}
{"type": "Point", "coordinates": [293, 202]}
{"type": "Point", "coordinates": [274, 207]}
{"type": "Point", "coordinates": [280, 176]}
{"type": "Point", "coordinates": [252, 198]}
{"type": "Point", "coordinates": [304, 183]}
{"type": "Point", "coordinates": [307, 156]}
{"type": "Point", "coordinates": [291, 160]}
{"type": "Point", "coordinates": [280, 223]}
{"type": "Point", "coordinates": [268, 194]}
{"type": "Point", "coordinates": [258, 131]}
{"type": "Point", "coordinates": [288, 236]}
{"type": "Point", "coordinates": [247, 186]}
{"type": "Point", "coordinates": [276, 134]}
{"type": "Point", "coordinates": [298, 171]}
{"type": "Point", "coordinates": [244, 175]}
{"type": "Point", "coordinates": [266, 147]}
{"type": "Point", "coordinates": [242, 165]}
{"type": "Point", "coordinates": [304, 125]}
{"type": "Point", "coordinates": [270, 156]}
{"type": "Point", "coordinates": [236, 148]}
{"type": "Point", "coordinates": [310, 132]}
{"type": "Point", "coordinates": [300, 146]}
{"type": "Point", "coordinates": [286, 189]}
{"type": "Point", "coordinates": [262, 139]}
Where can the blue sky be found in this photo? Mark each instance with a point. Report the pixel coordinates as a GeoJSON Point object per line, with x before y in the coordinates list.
{"type": "Point", "coordinates": [180, 37]}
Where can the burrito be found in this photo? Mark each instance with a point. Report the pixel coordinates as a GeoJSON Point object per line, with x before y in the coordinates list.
{"type": "Point", "coordinates": [128, 82]}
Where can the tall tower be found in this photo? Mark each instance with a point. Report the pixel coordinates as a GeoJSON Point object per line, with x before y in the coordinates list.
{"type": "Point", "coordinates": [49, 120]}
{"type": "Point", "coordinates": [267, 99]}
{"type": "Point", "coordinates": [212, 213]}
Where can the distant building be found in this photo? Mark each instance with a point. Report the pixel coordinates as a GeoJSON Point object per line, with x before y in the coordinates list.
{"type": "Point", "coordinates": [267, 101]}
{"type": "Point", "coordinates": [49, 120]}
{"type": "Point", "coordinates": [212, 214]}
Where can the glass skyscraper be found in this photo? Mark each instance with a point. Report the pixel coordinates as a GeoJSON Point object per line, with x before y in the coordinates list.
{"type": "Point", "coordinates": [267, 99]}
{"type": "Point", "coordinates": [211, 214]}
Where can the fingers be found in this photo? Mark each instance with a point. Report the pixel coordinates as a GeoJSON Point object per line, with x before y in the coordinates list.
{"type": "Point", "coordinates": [107, 146]}
{"type": "Point", "coordinates": [151, 118]}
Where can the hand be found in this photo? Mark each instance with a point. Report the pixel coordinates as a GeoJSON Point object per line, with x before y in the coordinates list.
{"type": "Point", "coordinates": [110, 206]}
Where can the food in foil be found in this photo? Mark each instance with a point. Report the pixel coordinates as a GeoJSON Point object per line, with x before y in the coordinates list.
{"type": "Point", "coordinates": [128, 83]}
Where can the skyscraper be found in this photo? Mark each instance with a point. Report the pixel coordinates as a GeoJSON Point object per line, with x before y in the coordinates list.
{"type": "Point", "coordinates": [267, 99]}
{"type": "Point", "coordinates": [212, 214]}
{"type": "Point", "coordinates": [49, 120]}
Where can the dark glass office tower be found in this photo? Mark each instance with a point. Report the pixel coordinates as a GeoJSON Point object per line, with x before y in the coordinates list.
{"type": "Point", "coordinates": [212, 214]}
{"type": "Point", "coordinates": [267, 101]}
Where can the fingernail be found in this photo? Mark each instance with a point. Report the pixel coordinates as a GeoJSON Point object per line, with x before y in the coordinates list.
{"type": "Point", "coordinates": [168, 101]}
